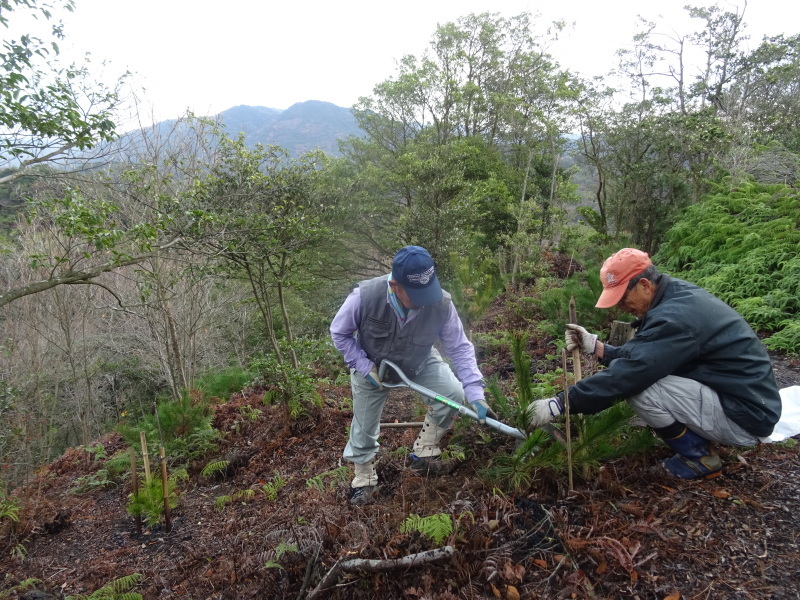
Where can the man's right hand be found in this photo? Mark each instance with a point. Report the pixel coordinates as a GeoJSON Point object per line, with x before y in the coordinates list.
{"type": "Point", "coordinates": [576, 336]}
{"type": "Point", "coordinates": [374, 379]}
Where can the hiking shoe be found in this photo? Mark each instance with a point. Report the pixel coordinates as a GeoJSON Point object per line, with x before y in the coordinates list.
{"type": "Point", "coordinates": [432, 465]}
{"type": "Point", "coordinates": [706, 467]}
{"type": "Point", "coordinates": [361, 496]}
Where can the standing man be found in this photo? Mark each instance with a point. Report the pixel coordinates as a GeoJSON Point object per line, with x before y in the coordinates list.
{"type": "Point", "coordinates": [695, 371]}
{"type": "Point", "coordinates": [399, 317]}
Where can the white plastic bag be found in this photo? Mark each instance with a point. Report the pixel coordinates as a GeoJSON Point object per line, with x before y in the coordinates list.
{"type": "Point", "coordinates": [789, 423]}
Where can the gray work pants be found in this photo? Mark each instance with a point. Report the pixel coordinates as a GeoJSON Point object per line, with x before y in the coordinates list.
{"type": "Point", "coordinates": [368, 402]}
{"type": "Point", "coordinates": [695, 405]}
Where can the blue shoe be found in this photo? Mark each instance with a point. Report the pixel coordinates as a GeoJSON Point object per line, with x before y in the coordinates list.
{"type": "Point", "coordinates": [695, 458]}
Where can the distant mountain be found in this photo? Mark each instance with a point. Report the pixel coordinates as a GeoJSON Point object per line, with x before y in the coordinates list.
{"type": "Point", "coordinates": [302, 127]}
{"type": "Point", "coordinates": [305, 126]}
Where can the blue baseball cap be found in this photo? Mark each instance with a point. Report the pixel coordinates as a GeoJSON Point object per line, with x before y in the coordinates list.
{"type": "Point", "coordinates": [413, 269]}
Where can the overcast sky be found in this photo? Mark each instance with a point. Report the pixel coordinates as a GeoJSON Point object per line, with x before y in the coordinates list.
{"type": "Point", "coordinates": [209, 56]}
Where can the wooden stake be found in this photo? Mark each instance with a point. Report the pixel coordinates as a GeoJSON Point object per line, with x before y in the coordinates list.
{"type": "Point", "coordinates": [567, 426]}
{"type": "Point", "coordinates": [135, 486]}
{"type": "Point", "coordinates": [145, 457]}
{"type": "Point", "coordinates": [576, 352]}
{"type": "Point", "coordinates": [165, 488]}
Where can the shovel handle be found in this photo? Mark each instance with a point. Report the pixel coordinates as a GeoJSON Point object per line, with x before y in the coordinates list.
{"type": "Point", "coordinates": [460, 408]}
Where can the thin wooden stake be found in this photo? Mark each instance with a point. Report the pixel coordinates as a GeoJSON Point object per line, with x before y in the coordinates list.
{"type": "Point", "coordinates": [165, 488]}
{"type": "Point", "coordinates": [576, 352]}
{"type": "Point", "coordinates": [135, 486]}
{"type": "Point", "coordinates": [145, 457]}
{"type": "Point", "coordinates": [567, 426]}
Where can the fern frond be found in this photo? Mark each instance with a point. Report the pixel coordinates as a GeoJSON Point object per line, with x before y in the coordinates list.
{"type": "Point", "coordinates": [214, 467]}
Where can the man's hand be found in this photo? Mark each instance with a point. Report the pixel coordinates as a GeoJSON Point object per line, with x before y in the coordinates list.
{"type": "Point", "coordinates": [577, 337]}
{"type": "Point", "coordinates": [483, 410]}
{"type": "Point", "coordinates": [542, 412]}
{"type": "Point", "coordinates": [373, 378]}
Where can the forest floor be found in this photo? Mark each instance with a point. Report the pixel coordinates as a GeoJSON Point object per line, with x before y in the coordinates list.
{"type": "Point", "coordinates": [622, 532]}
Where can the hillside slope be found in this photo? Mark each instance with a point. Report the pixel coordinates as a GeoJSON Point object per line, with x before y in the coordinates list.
{"type": "Point", "coordinates": [621, 533]}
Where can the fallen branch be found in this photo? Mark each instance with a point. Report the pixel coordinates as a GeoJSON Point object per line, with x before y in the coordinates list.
{"type": "Point", "coordinates": [377, 566]}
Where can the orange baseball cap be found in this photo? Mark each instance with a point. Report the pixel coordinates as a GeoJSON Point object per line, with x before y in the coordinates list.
{"type": "Point", "coordinates": [617, 271]}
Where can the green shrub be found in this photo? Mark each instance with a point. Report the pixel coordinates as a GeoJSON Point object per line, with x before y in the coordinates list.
{"type": "Point", "coordinates": [595, 438]}
{"type": "Point", "coordinates": [221, 384]}
{"type": "Point", "coordinates": [741, 245]}
{"type": "Point", "coordinates": [293, 388]}
{"type": "Point", "coordinates": [148, 503]}
{"type": "Point", "coordinates": [182, 426]}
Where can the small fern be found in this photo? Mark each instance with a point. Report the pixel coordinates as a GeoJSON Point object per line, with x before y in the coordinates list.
{"type": "Point", "coordinates": [271, 488]}
{"type": "Point", "coordinates": [215, 467]}
{"type": "Point", "coordinates": [221, 502]}
{"type": "Point", "coordinates": [117, 589]}
{"type": "Point", "coordinates": [280, 550]}
{"type": "Point", "coordinates": [332, 477]}
{"type": "Point", "coordinates": [437, 527]}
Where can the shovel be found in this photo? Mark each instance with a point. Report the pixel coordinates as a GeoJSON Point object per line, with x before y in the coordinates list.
{"type": "Point", "coordinates": [406, 382]}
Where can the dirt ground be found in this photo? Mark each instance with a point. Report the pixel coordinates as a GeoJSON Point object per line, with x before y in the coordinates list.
{"type": "Point", "coordinates": [622, 533]}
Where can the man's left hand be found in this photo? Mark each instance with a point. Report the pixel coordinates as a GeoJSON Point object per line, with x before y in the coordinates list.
{"type": "Point", "coordinates": [483, 410]}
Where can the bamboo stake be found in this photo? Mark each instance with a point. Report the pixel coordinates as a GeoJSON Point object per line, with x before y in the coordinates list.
{"type": "Point", "coordinates": [576, 352]}
{"type": "Point", "coordinates": [567, 426]}
{"type": "Point", "coordinates": [145, 457]}
{"type": "Point", "coordinates": [135, 484]}
{"type": "Point", "coordinates": [165, 488]}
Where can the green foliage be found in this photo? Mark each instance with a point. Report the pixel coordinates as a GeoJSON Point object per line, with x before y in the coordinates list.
{"type": "Point", "coordinates": [272, 487]}
{"type": "Point", "coordinates": [184, 425]}
{"type": "Point", "coordinates": [280, 550]}
{"type": "Point", "coordinates": [548, 304]}
{"type": "Point", "coordinates": [329, 479]}
{"type": "Point", "coordinates": [223, 383]}
{"type": "Point", "coordinates": [291, 387]}
{"type": "Point", "coordinates": [475, 283]}
{"type": "Point", "coordinates": [149, 502]}
{"type": "Point", "coordinates": [241, 495]}
{"type": "Point", "coordinates": [527, 387]}
{"type": "Point", "coordinates": [215, 467]}
{"type": "Point", "coordinates": [596, 438]}
{"type": "Point", "coordinates": [9, 507]}
{"type": "Point", "coordinates": [437, 527]}
{"type": "Point", "coordinates": [115, 590]}
{"type": "Point", "coordinates": [99, 479]}
{"type": "Point", "coordinates": [22, 586]}
{"type": "Point", "coordinates": [603, 436]}
{"type": "Point", "coordinates": [741, 245]}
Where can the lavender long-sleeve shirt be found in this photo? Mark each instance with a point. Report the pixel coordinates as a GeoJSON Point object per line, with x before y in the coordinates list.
{"type": "Point", "coordinates": [454, 342]}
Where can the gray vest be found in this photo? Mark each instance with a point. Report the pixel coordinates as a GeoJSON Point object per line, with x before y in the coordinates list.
{"type": "Point", "coordinates": [381, 336]}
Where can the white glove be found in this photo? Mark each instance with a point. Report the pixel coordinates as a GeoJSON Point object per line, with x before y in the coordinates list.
{"type": "Point", "coordinates": [577, 337]}
{"type": "Point", "coordinates": [374, 379]}
{"type": "Point", "coordinates": [542, 412]}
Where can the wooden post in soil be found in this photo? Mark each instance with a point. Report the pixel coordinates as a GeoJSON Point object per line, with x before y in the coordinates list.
{"type": "Point", "coordinates": [165, 488]}
{"type": "Point", "coordinates": [145, 457]}
{"type": "Point", "coordinates": [135, 487]}
{"type": "Point", "coordinates": [567, 423]}
{"type": "Point", "coordinates": [576, 352]}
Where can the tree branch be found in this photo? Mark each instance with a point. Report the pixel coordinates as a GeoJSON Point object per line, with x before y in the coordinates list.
{"type": "Point", "coordinates": [377, 566]}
